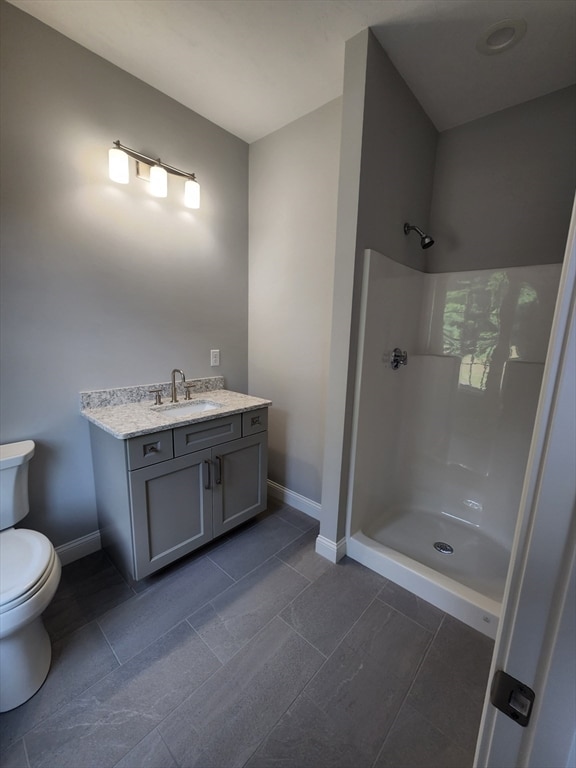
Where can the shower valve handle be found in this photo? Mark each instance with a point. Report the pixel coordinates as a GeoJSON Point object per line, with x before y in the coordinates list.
{"type": "Point", "coordinates": [398, 358]}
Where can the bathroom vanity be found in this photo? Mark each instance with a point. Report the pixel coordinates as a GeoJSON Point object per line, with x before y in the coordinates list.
{"type": "Point", "coordinates": [163, 492]}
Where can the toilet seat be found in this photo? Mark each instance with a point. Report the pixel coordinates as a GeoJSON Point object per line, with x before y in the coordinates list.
{"type": "Point", "coordinates": [26, 562]}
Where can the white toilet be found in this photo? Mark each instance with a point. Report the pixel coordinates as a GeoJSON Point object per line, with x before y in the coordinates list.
{"type": "Point", "coordinates": [29, 576]}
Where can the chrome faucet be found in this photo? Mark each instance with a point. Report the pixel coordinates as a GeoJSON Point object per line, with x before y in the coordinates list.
{"type": "Point", "coordinates": [174, 372]}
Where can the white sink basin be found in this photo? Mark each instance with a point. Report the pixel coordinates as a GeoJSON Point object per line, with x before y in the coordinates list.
{"type": "Point", "coordinates": [190, 408]}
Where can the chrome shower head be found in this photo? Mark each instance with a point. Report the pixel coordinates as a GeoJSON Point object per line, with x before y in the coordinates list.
{"type": "Point", "coordinates": [425, 240]}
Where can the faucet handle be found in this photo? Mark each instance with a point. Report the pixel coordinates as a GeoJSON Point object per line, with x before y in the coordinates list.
{"type": "Point", "coordinates": [187, 387]}
{"type": "Point", "coordinates": [157, 395]}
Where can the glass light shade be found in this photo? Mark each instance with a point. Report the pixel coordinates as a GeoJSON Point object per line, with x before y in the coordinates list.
{"type": "Point", "coordinates": [118, 168]}
{"type": "Point", "coordinates": [158, 181]}
{"type": "Point", "coordinates": [191, 194]}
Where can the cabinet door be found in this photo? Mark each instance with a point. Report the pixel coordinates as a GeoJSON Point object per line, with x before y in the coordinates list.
{"type": "Point", "coordinates": [239, 481]}
{"type": "Point", "coordinates": [171, 510]}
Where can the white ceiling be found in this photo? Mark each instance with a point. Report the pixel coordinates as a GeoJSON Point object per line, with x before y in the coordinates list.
{"type": "Point", "coordinates": [252, 66]}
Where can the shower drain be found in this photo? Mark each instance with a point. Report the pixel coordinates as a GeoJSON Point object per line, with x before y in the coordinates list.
{"type": "Point", "coordinates": [444, 548]}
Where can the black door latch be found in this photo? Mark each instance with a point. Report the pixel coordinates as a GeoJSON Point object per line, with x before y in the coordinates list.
{"type": "Point", "coordinates": [512, 697]}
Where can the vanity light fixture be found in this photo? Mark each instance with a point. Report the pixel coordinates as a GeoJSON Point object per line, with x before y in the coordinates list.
{"type": "Point", "coordinates": [158, 181]}
{"type": "Point", "coordinates": [153, 170]}
{"type": "Point", "coordinates": [118, 168]}
{"type": "Point", "coordinates": [191, 193]}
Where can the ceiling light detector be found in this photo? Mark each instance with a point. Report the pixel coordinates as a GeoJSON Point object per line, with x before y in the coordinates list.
{"type": "Point", "coordinates": [501, 36]}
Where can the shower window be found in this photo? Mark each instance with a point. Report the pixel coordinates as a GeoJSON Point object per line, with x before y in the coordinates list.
{"type": "Point", "coordinates": [489, 319]}
{"type": "Point", "coordinates": [472, 323]}
{"type": "Point", "coordinates": [526, 324]}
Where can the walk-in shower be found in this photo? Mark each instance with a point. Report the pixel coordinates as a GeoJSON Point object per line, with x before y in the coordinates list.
{"type": "Point", "coordinates": [448, 378]}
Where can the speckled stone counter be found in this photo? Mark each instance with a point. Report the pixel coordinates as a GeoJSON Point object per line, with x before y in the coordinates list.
{"type": "Point", "coordinates": [130, 411]}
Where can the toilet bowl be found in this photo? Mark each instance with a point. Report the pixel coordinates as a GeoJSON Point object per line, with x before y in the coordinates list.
{"type": "Point", "coordinates": [29, 576]}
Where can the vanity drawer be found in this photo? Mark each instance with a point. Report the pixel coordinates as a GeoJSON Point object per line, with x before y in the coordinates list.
{"type": "Point", "coordinates": [254, 421]}
{"type": "Point", "coordinates": [195, 437]}
{"type": "Point", "coordinates": [149, 449]}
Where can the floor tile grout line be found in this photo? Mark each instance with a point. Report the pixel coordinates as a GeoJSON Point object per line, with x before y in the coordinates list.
{"type": "Point", "coordinates": [248, 573]}
{"type": "Point", "coordinates": [185, 561]}
{"type": "Point", "coordinates": [292, 524]}
{"type": "Point", "coordinates": [407, 694]}
{"type": "Point", "coordinates": [179, 621]}
{"type": "Point", "coordinates": [424, 657]}
{"type": "Point", "coordinates": [425, 654]}
{"type": "Point", "coordinates": [172, 755]}
{"type": "Point", "coordinates": [224, 571]}
{"type": "Point", "coordinates": [277, 614]}
{"type": "Point", "coordinates": [308, 642]}
{"type": "Point", "coordinates": [300, 693]}
{"type": "Point", "coordinates": [338, 645]}
{"type": "Point", "coordinates": [122, 664]}
{"type": "Point", "coordinates": [105, 636]}
{"type": "Point", "coordinates": [210, 602]}
{"type": "Point", "coordinates": [310, 581]}
{"type": "Point", "coordinates": [408, 691]}
{"type": "Point", "coordinates": [291, 543]}
{"type": "Point", "coordinates": [446, 618]}
{"type": "Point", "coordinates": [431, 632]}
{"type": "Point", "coordinates": [131, 748]}
{"type": "Point", "coordinates": [428, 629]}
{"type": "Point", "coordinates": [223, 666]}
{"type": "Point", "coordinates": [206, 555]}
{"type": "Point", "coordinates": [26, 751]}
{"type": "Point", "coordinates": [140, 742]}
{"type": "Point", "coordinates": [204, 643]}
{"type": "Point", "coordinates": [343, 639]}
{"type": "Point", "coordinates": [80, 693]}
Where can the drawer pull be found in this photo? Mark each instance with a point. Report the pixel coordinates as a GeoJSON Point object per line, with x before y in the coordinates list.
{"type": "Point", "coordinates": [151, 448]}
{"type": "Point", "coordinates": [218, 477]}
{"type": "Point", "coordinates": [207, 474]}
{"type": "Point", "coordinates": [255, 420]}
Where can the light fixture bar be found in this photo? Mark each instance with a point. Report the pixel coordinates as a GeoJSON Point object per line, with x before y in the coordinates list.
{"type": "Point", "coordinates": [153, 161]}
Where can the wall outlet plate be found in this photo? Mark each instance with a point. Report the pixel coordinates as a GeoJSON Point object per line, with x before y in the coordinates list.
{"type": "Point", "coordinates": [214, 357]}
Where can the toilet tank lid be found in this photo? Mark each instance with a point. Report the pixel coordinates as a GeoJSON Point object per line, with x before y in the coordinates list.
{"type": "Point", "coordinates": [12, 454]}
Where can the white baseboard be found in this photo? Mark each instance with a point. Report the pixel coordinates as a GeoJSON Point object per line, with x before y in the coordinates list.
{"type": "Point", "coordinates": [78, 548]}
{"type": "Point", "coordinates": [294, 499]}
{"type": "Point", "coordinates": [86, 545]}
{"type": "Point", "coordinates": [331, 550]}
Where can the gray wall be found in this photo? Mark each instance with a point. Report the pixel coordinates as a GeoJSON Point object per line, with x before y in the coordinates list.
{"type": "Point", "coordinates": [504, 187]}
{"type": "Point", "coordinates": [103, 285]}
{"type": "Point", "coordinates": [387, 165]}
{"type": "Point", "coordinates": [293, 193]}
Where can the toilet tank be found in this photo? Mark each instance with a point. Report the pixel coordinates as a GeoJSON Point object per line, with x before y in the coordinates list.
{"type": "Point", "coordinates": [14, 458]}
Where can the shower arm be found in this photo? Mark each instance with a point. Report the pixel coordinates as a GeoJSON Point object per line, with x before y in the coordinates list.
{"type": "Point", "coordinates": [409, 227]}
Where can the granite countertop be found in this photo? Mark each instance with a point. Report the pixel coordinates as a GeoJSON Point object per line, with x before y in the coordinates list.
{"type": "Point", "coordinates": [130, 411]}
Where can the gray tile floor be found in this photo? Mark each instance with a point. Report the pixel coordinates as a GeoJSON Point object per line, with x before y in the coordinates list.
{"type": "Point", "coordinates": [252, 652]}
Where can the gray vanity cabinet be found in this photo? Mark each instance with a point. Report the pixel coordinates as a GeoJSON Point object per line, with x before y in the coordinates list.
{"type": "Point", "coordinates": [171, 510]}
{"type": "Point", "coordinates": [164, 494]}
{"type": "Point", "coordinates": [239, 492]}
